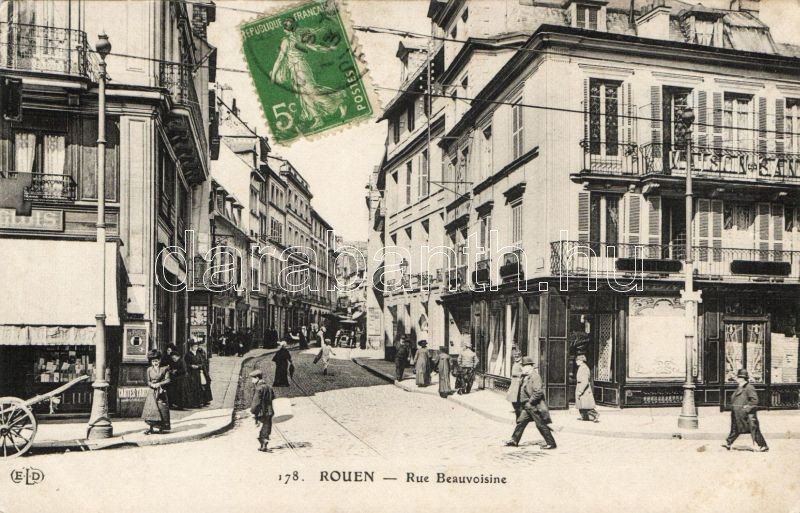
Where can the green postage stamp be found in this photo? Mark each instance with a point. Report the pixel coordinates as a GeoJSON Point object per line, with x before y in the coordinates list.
{"type": "Point", "coordinates": [305, 71]}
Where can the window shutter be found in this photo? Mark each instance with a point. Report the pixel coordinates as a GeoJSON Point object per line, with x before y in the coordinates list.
{"type": "Point", "coordinates": [627, 111]}
{"type": "Point", "coordinates": [654, 227]}
{"type": "Point", "coordinates": [702, 222]}
{"type": "Point", "coordinates": [633, 226]}
{"type": "Point", "coordinates": [717, 99]}
{"type": "Point", "coordinates": [716, 229]}
{"type": "Point", "coordinates": [586, 113]}
{"type": "Point", "coordinates": [777, 231]}
{"type": "Point", "coordinates": [702, 118]}
{"type": "Point", "coordinates": [780, 115]}
{"type": "Point", "coordinates": [583, 216]}
{"type": "Point", "coordinates": [762, 124]}
{"type": "Point", "coordinates": [762, 230]}
{"type": "Point", "coordinates": [655, 120]}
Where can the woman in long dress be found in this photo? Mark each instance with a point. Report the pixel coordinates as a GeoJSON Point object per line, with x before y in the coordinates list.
{"type": "Point", "coordinates": [291, 70]}
{"type": "Point", "coordinates": [443, 368]}
{"type": "Point", "coordinates": [205, 377]}
{"type": "Point", "coordinates": [282, 359]}
{"type": "Point", "coordinates": [422, 364]}
{"type": "Point", "coordinates": [156, 404]}
{"type": "Point", "coordinates": [176, 390]}
{"type": "Point", "coordinates": [193, 368]}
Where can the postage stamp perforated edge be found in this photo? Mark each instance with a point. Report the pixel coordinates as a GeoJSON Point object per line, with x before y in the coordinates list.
{"type": "Point", "coordinates": [358, 57]}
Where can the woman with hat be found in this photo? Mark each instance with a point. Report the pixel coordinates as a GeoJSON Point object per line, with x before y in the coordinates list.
{"type": "Point", "coordinates": [443, 368]}
{"type": "Point", "coordinates": [156, 404]}
{"type": "Point", "coordinates": [422, 364]}
{"type": "Point", "coordinates": [283, 362]}
{"type": "Point", "coordinates": [744, 403]}
{"type": "Point", "coordinates": [516, 379]}
{"type": "Point", "coordinates": [584, 396]}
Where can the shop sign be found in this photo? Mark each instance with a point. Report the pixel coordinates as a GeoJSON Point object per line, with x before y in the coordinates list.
{"type": "Point", "coordinates": [39, 220]}
{"type": "Point", "coordinates": [132, 392]}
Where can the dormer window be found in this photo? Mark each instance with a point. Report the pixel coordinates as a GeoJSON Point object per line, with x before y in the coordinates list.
{"type": "Point", "coordinates": [586, 16]}
{"type": "Point", "coordinates": [704, 32]}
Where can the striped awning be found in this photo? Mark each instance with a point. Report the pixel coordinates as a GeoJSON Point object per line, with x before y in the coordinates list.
{"type": "Point", "coordinates": [47, 335]}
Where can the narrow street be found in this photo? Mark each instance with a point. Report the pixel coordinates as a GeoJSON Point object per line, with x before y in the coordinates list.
{"type": "Point", "coordinates": [351, 420]}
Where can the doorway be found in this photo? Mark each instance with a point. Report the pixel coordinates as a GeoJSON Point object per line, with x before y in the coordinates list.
{"type": "Point", "coordinates": [745, 348]}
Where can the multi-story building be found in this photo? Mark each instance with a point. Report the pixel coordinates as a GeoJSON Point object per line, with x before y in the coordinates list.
{"type": "Point", "coordinates": [377, 336]}
{"type": "Point", "coordinates": [322, 292]}
{"type": "Point", "coordinates": [278, 297]}
{"type": "Point", "coordinates": [351, 269]}
{"type": "Point", "coordinates": [569, 162]}
{"type": "Point", "coordinates": [156, 188]}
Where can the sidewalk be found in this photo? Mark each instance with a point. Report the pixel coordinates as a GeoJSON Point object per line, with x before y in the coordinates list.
{"type": "Point", "coordinates": [649, 423]}
{"type": "Point", "coordinates": [187, 425]}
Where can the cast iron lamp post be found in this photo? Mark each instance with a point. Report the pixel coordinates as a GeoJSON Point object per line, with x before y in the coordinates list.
{"type": "Point", "coordinates": [688, 417]}
{"type": "Point", "coordinates": [99, 422]}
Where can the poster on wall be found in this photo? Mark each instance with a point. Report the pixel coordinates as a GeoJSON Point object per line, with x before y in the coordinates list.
{"type": "Point", "coordinates": [136, 342]}
{"type": "Point", "coordinates": [656, 344]}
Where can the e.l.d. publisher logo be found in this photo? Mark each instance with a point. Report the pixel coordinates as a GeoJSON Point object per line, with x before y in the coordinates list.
{"type": "Point", "coordinates": [27, 476]}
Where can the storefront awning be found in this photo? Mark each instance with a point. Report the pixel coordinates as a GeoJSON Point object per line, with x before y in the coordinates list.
{"type": "Point", "coordinates": [47, 335]}
{"type": "Point", "coordinates": [54, 283]}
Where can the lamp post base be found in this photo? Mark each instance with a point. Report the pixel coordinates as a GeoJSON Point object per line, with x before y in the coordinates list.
{"type": "Point", "coordinates": [99, 424]}
{"type": "Point", "coordinates": [688, 417]}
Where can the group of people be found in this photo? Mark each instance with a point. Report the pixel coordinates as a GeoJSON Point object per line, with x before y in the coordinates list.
{"type": "Point", "coordinates": [175, 381]}
{"type": "Point", "coordinates": [424, 362]}
{"type": "Point", "coordinates": [234, 342]}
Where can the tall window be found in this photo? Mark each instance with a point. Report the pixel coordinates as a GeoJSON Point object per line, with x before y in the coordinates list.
{"type": "Point", "coordinates": [424, 175]}
{"type": "Point", "coordinates": [410, 116]}
{"type": "Point", "coordinates": [395, 130]}
{"type": "Point", "coordinates": [737, 121]}
{"type": "Point", "coordinates": [604, 111]}
{"type": "Point", "coordinates": [517, 128]}
{"type": "Point", "coordinates": [516, 224]}
{"type": "Point", "coordinates": [486, 151]}
{"type": "Point", "coordinates": [485, 223]}
{"type": "Point", "coordinates": [462, 170]}
{"type": "Point", "coordinates": [603, 221]}
{"type": "Point", "coordinates": [792, 125]}
{"type": "Point", "coordinates": [586, 17]}
{"type": "Point", "coordinates": [409, 178]}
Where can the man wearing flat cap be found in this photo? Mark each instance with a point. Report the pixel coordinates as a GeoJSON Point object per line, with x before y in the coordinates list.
{"type": "Point", "coordinates": [261, 407]}
{"type": "Point", "coordinates": [744, 403]}
{"type": "Point", "coordinates": [534, 406]}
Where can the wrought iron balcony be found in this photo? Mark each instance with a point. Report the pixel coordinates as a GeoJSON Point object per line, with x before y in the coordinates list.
{"type": "Point", "coordinates": [708, 161]}
{"type": "Point", "coordinates": [457, 278]}
{"type": "Point", "coordinates": [44, 186]}
{"type": "Point", "coordinates": [43, 49]}
{"type": "Point", "coordinates": [513, 267]}
{"type": "Point", "coordinates": [178, 80]}
{"type": "Point", "coordinates": [714, 263]}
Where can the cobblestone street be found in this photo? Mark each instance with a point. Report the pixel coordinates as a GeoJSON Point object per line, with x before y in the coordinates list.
{"type": "Point", "coordinates": [351, 420]}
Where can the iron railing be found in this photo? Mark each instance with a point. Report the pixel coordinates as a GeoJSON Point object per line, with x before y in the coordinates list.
{"type": "Point", "coordinates": [178, 80]}
{"type": "Point", "coordinates": [44, 186]}
{"type": "Point", "coordinates": [457, 278]}
{"type": "Point", "coordinates": [44, 49]}
{"type": "Point", "coordinates": [708, 161]}
{"type": "Point", "coordinates": [714, 262]}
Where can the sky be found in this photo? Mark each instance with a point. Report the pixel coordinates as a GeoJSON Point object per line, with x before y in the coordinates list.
{"type": "Point", "coordinates": [338, 166]}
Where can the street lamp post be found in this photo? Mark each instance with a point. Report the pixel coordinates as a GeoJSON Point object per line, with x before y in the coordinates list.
{"type": "Point", "coordinates": [99, 422]}
{"type": "Point", "coordinates": [688, 417]}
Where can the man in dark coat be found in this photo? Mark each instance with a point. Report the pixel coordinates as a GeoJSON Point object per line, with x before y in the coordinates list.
{"type": "Point", "coordinates": [205, 379]}
{"type": "Point", "coordinates": [534, 407]}
{"type": "Point", "coordinates": [261, 407]}
{"type": "Point", "coordinates": [744, 403]}
{"type": "Point", "coordinates": [401, 360]}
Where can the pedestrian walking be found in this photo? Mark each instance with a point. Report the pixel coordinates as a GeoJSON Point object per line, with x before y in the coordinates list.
{"type": "Point", "coordinates": [401, 360]}
{"type": "Point", "coordinates": [327, 351]}
{"type": "Point", "coordinates": [194, 370]}
{"type": "Point", "coordinates": [744, 404]}
{"type": "Point", "coordinates": [584, 396]}
{"type": "Point", "coordinates": [283, 360]}
{"type": "Point", "coordinates": [534, 407]}
{"type": "Point", "coordinates": [303, 337]}
{"type": "Point", "coordinates": [321, 335]}
{"type": "Point", "coordinates": [516, 380]}
{"type": "Point", "coordinates": [422, 364]}
{"type": "Point", "coordinates": [177, 387]}
{"type": "Point", "coordinates": [205, 377]}
{"type": "Point", "coordinates": [443, 368]}
{"type": "Point", "coordinates": [467, 363]}
{"type": "Point", "coordinates": [156, 404]}
{"type": "Point", "coordinates": [261, 408]}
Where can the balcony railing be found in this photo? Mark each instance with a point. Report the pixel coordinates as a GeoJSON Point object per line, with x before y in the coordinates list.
{"type": "Point", "coordinates": [44, 186]}
{"type": "Point", "coordinates": [177, 79]}
{"type": "Point", "coordinates": [457, 278]}
{"type": "Point", "coordinates": [574, 258]}
{"type": "Point", "coordinates": [708, 161]}
{"type": "Point", "coordinates": [43, 49]}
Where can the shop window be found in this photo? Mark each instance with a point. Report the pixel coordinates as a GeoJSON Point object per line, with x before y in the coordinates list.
{"type": "Point", "coordinates": [784, 345]}
{"type": "Point", "coordinates": [744, 349]}
{"type": "Point", "coordinates": [496, 347]}
{"type": "Point", "coordinates": [61, 364]}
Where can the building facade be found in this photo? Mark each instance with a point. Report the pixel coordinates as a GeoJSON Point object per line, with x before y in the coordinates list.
{"type": "Point", "coordinates": [156, 188]}
{"type": "Point", "coordinates": [570, 161]}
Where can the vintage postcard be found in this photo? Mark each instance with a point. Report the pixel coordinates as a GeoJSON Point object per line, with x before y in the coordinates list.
{"type": "Point", "coordinates": [400, 255]}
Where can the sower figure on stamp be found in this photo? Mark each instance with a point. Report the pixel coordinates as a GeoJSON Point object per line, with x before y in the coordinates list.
{"type": "Point", "coordinates": [534, 407]}
{"type": "Point", "coordinates": [744, 404]}
{"type": "Point", "coordinates": [261, 407]}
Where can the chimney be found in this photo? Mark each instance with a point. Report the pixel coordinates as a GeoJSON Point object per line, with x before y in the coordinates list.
{"type": "Point", "coordinates": [653, 21]}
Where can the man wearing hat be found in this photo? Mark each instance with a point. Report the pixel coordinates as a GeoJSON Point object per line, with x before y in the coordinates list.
{"type": "Point", "coordinates": [422, 364]}
{"type": "Point", "coordinates": [534, 406]}
{"type": "Point", "coordinates": [744, 403]}
{"type": "Point", "coordinates": [467, 363]}
{"type": "Point", "coordinates": [584, 396]}
{"type": "Point", "coordinates": [261, 407]}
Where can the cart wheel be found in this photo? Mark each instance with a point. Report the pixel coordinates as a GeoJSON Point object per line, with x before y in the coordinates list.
{"type": "Point", "coordinates": [17, 427]}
